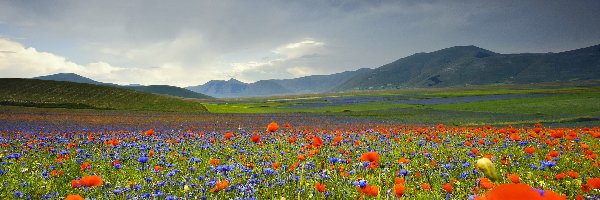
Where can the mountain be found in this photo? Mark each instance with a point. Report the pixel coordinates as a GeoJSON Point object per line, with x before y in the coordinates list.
{"type": "Point", "coordinates": [471, 65]}
{"type": "Point", "coordinates": [154, 89]}
{"type": "Point", "coordinates": [70, 77]}
{"type": "Point", "coordinates": [63, 94]}
{"type": "Point", "coordinates": [318, 83]}
{"type": "Point", "coordinates": [167, 90]}
{"type": "Point", "coordinates": [235, 88]}
{"type": "Point", "coordinates": [272, 87]}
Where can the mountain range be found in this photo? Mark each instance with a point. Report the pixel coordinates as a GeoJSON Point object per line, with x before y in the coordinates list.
{"type": "Point", "coordinates": [471, 65]}
{"type": "Point", "coordinates": [302, 85]}
{"type": "Point", "coordinates": [450, 67]}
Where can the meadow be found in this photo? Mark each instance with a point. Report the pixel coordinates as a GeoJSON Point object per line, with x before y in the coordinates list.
{"type": "Point", "coordinates": [536, 142]}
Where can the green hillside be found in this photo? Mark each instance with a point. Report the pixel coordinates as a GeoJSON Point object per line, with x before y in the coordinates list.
{"type": "Point", "coordinates": [168, 90]}
{"type": "Point", "coordinates": [44, 93]}
{"type": "Point", "coordinates": [470, 65]}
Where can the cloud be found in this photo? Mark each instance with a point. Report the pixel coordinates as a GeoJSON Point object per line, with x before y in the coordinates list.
{"type": "Point", "coordinates": [282, 63]}
{"type": "Point", "coordinates": [28, 62]}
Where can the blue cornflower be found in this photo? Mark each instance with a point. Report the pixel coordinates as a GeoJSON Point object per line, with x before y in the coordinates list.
{"type": "Point", "coordinates": [143, 159]}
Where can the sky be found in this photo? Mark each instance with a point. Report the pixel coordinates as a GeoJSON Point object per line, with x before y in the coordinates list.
{"type": "Point", "coordinates": [187, 43]}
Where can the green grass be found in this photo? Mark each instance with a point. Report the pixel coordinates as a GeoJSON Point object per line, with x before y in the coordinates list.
{"type": "Point", "coordinates": [560, 105]}
{"type": "Point", "coordinates": [563, 104]}
{"type": "Point", "coordinates": [58, 94]}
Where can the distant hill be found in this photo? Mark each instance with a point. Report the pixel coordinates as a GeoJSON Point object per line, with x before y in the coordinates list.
{"type": "Point", "coordinates": [302, 85]}
{"type": "Point", "coordinates": [154, 89]}
{"type": "Point", "coordinates": [62, 94]}
{"type": "Point", "coordinates": [318, 83]}
{"type": "Point", "coordinates": [168, 90]}
{"type": "Point", "coordinates": [235, 88]}
{"type": "Point", "coordinates": [71, 77]}
{"type": "Point", "coordinates": [471, 65]}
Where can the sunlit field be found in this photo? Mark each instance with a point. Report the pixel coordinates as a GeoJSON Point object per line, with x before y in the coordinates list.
{"type": "Point", "coordinates": [154, 156]}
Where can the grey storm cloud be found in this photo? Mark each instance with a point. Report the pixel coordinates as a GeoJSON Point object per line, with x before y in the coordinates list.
{"type": "Point", "coordinates": [191, 42]}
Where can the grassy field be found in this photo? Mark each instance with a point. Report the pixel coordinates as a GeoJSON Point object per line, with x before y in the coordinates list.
{"type": "Point", "coordinates": [57, 94]}
{"type": "Point", "coordinates": [500, 105]}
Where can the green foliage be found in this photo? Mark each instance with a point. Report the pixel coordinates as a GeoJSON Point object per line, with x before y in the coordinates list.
{"type": "Point", "coordinates": [42, 93]}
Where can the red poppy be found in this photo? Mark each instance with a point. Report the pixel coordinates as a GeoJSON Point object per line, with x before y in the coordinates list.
{"type": "Point", "coordinates": [403, 161]}
{"type": "Point", "coordinates": [150, 132]}
{"type": "Point", "coordinates": [220, 186]}
{"type": "Point", "coordinates": [551, 195]}
{"type": "Point", "coordinates": [369, 190]}
{"type": "Point", "coordinates": [447, 187]}
{"type": "Point", "coordinates": [76, 183]}
{"type": "Point", "coordinates": [74, 197]}
{"type": "Point", "coordinates": [317, 141]}
{"type": "Point", "coordinates": [272, 127]}
{"type": "Point", "coordinates": [512, 191]}
{"type": "Point", "coordinates": [514, 178]}
{"type": "Point", "coordinates": [486, 183]}
{"type": "Point", "coordinates": [214, 161]}
{"type": "Point", "coordinates": [85, 165]}
{"type": "Point", "coordinates": [425, 186]}
{"type": "Point", "coordinates": [255, 138]}
{"type": "Point", "coordinates": [399, 190]}
{"type": "Point", "coordinates": [228, 135]}
{"type": "Point", "coordinates": [529, 150]}
{"type": "Point", "coordinates": [91, 181]}
{"type": "Point", "coordinates": [320, 187]}
{"type": "Point", "coordinates": [372, 157]}
{"type": "Point", "coordinates": [594, 183]}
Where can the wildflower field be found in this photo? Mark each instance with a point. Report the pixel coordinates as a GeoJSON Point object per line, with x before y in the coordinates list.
{"type": "Point", "coordinates": [111, 155]}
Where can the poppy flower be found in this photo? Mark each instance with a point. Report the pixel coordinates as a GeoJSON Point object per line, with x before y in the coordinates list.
{"type": "Point", "coordinates": [403, 161]}
{"type": "Point", "coordinates": [272, 127]}
{"type": "Point", "coordinates": [425, 186]}
{"type": "Point", "coordinates": [529, 150]}
{"type": "Point", "coordinates": [369, 190]}
{"type": "Point", "coordinates": [228, 135]}
{"type": "Point", "coordinates": [85, 165]}
{"type": "Point", "coordinates": [514, 178]}
{"type": "Point", "coordinates": [399, 190]}
{"type": "Point", "coordinates": [371, 157]}
{"type": "Point", "coordinates": [317, 142]}
{"type": "Point", "coordinates": [447, 187]}
{"type": "Point", "coordinates": [150, 132]}
{"type": "Point", "coordinates": [214, 161]}
{"type": "Point", "coordinates": [551, 195]}
{"type": "Point", "coordinates": [255, 138]}
{"type": "Point", "coordinates": [594, 183]}
{"type": "Point", "coordinates": [320, 187]}
{"type": "Point", "coordinates": [91, 181]}
{"type": "Point", "coordinates": [486, 183]}
{"type": "Point", "coordinates": [76, 183]}
{"type": "Point", "coordinates": [512, 191]}
{"type": "Point", "coordinates": [74, 197]}
{"type": "Point", "coordinates": [220, 186]}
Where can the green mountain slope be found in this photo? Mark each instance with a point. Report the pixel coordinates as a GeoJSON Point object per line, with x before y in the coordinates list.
{"type": "Point", "coordinates": [44, 93]}
{"type": "Point", "coordinates": [154, 89]}
{"type": "Point", "coordinates": [168, 90]}
{"type": "Point", "coordinates": [471, 65]}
